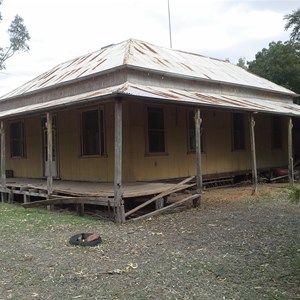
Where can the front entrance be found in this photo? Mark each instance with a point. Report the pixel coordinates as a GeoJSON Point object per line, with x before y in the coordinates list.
{"type": "Point", "coordinates": [45, 148]}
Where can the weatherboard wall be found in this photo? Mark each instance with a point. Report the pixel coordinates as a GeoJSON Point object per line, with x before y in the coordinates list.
{"type": "Point", "coordinates": [217, 156]}
{"type": "Point", "coordinates": [31, 164]}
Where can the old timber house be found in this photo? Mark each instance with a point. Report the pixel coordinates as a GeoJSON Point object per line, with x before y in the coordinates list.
{"type": "Point", "coordinates": [129, 120]}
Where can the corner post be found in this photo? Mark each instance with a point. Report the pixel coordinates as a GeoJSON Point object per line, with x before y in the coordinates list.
{"type": "Point", "coordinates": [49, 154]}
{"type": "Point", "coordinates": [253, 155]}
{"type": "Point", "coordinates": [290, 151]}
{"type": "Point", "coordinates": [119, 205]}
{"type": "Point", "coordinates": [3, 174]}
{"type": "Point", "coordinates": [198, 122]}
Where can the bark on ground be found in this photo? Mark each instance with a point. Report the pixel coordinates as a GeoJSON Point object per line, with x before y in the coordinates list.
{"type": "Point", "coordinates": [235, 246]}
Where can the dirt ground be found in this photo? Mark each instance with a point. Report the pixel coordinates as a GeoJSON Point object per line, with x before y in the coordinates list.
{"type": "Point", "coordinates": [235, 246]}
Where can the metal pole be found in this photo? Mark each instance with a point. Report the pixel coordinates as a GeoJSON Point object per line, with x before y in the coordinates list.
{"type": "Point", "coordinates": [170, 30]}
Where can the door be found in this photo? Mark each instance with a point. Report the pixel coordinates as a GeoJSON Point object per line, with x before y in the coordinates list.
{"type": "Point", "coordinates": [45, 147]}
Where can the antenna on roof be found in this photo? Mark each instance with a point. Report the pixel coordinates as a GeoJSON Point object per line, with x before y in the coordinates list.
{"type": "Point", "coordinates": [170, 31]}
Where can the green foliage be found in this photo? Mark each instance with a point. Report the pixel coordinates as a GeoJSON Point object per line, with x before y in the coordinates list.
{"type": "Point", "coordinates": [279, 63]}
{"type": "Point", "coordinates": [294, 194]}
{"type": "Point", "coordinates": [18, 36]}
{"type": "Point", "coordinates": [242, 63]}
{"type": "Point", "coordinates": [293, 22]}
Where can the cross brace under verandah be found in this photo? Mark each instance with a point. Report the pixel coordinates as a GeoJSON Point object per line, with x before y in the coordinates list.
{"type": "Point", "coordinates": [177, 203]}
{"type": "Point", "coordinates": [178, 187]}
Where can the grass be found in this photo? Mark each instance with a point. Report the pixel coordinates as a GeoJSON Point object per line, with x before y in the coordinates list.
{"type": "Point", "coordinates": [251, 252]}
{"type": "Point", "coordinates": [16, 220]}
{"type": "Point", "coordinates": [294, 194]}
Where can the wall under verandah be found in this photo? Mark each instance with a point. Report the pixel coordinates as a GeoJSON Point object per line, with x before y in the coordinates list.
{"type": "Point", "coordinates": [138, 165]}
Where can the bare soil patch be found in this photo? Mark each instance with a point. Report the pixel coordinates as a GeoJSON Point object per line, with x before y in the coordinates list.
{"type": "Point", "coordinates": [235, 246]}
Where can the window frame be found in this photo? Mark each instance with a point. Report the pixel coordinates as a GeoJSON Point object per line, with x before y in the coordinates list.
{"type": "Point", "coordinates": [238, 132]}
{"type": "Point", "coordinates": [163, 131]}
{"type": "Point", "coordinates": [101, 133]}
{"type": "Point", "coordinates": [22, 140]}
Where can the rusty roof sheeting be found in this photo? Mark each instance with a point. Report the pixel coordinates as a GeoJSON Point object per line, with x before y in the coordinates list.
{"type": "Point", "coordinates": [214, 100]}
{"type": "Point", "coordinates": [150, 57]}
{"type": "Point", "coordinates": [210, 100]}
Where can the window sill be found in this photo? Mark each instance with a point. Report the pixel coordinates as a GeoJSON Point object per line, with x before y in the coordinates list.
{"type": "Point", "coordinates": [94, 156]}
{"type": "Point", "coordinates": [156, 154]}
{"type": "Point", "coordinates": [194, 152]}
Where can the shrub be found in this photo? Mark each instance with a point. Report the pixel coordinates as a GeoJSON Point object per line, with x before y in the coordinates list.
{"type": "Point", "coordinates": [294, 194]}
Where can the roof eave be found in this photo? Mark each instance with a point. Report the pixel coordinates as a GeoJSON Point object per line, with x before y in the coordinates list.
{"type": "Point", "coordinates": [207, 80]}
{"type": "Point", "coordinates": [290, 94]}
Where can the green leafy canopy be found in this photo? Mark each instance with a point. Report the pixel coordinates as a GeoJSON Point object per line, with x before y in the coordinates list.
{"type": "Point", "coordinates": [293, 22]}
{"type": "Point", "coordinates": [18, 37]}
{"type": "Point", "coordinates": [279, 63]}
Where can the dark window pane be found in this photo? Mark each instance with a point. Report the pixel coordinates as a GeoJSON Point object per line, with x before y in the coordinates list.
{"type": "Point", "coordinates": [155, 119]}
{"type": "Point", "coordinates": [192, 133]}
{"type": "Point", "coordinates": [17, 139]}
{"type": "Point", "coordinates": [156, 142]}
{"type": "Point", "coordinates": [90, 133]}
{"type": "Point", "coordinates": [276, 132]}
{"type": "Point", "coordinates": [156, 134]}
{"type": "Point", "coordinates": [238, 132]}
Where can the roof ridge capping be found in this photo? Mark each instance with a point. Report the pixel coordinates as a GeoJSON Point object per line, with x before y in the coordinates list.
{"type": "Point", "coordinates": [132, 41]}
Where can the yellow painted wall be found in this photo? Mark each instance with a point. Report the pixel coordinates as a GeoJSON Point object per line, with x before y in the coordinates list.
{"type": "Point", "coordinates": [72, 165]}
{"type": "Point", "coordinates": [266, 155]}
{"type": "Point", "coordinates": [217, 157]}
{"type": "Point", "coordinates": [31, 165]}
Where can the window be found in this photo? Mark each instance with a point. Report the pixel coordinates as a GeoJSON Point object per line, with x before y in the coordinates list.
{"type": "Point", "coordinates": [276, 132]}
{"type": "Point", "coordinates": [238, 131]}
{"type": "Point", "coordinates": [92, 132]}
{"type": "Point", "coordinates": [156, 130]}
{"type": "Point", "coordinates": [17, 139]}
{"type": "Point", "coordinates": [192, 133]}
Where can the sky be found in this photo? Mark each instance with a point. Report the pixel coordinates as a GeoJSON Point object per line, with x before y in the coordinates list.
{"type": "Point", "coordinates": [61, 30]}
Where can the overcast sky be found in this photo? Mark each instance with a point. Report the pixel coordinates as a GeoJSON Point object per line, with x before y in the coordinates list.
{"type": "Point", "coordinates": [64, 29]}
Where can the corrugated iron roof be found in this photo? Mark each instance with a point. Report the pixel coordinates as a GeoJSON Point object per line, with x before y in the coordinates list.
{"type": "Point", "coordinates": [163, 94]}
{"type": "Point", "coordinates": [214, 100]}
{"type": "Point", "coordinates": [143, 55]}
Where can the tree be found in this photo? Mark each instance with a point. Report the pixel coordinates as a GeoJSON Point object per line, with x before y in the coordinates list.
{"type": "Point", "coordinates": [293, 22]}
{"type": "Point", "coordinates": [279, 63]}
{"type": "Point", "coordinates": [242, 63]}
{"type": "Point", "coordinates": [18, 37]}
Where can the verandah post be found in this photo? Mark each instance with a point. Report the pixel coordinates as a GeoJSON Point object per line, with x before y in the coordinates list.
{"type": "Point", "coordinates": [198, 121]}
{"type": "Point", "coordinates": [49, 154]}
{"type": "Point", "coordinates": [119, 205]}
{"type": "Point", "coordinates": [3, 174]}
{"type": "Point", "coordinates": [253, 154]}
{"type": "Point", "coordinates": [290, 151]}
